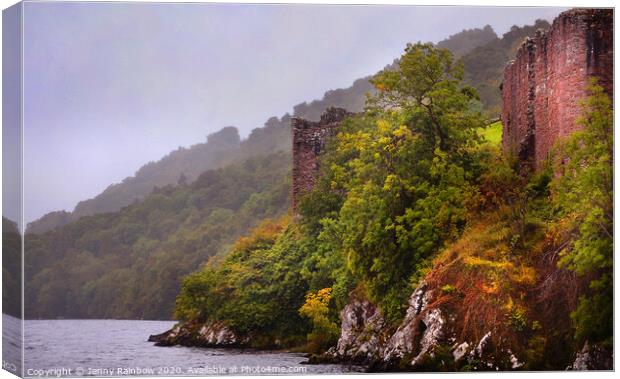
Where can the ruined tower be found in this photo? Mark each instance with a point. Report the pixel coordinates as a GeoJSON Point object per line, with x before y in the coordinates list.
{"type": "Point", "coordinates": [309, 139]}
{"type": "Point", "coordinates": [544, 85]}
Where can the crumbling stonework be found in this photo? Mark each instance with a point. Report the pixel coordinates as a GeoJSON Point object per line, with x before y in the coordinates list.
{"type": "Point", "coordinates": [309, 139]}
{"type": "Point", "coordinates": [544, 85]}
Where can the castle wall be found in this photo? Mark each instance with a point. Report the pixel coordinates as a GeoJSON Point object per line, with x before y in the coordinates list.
{"type": "Point", "coordinates": [544, 85]}
{"type": "Point", "coordinates": [309, 139]}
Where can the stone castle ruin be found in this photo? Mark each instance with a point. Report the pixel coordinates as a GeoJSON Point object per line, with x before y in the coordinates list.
{"type": "Point", "coordinates": [544, 85]}
{"type": "Point", "coordinates": [309, 139]}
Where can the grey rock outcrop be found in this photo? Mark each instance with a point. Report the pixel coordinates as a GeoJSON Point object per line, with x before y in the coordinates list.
{"type": "Point", "coordinates": [367, 339]}
{"type": "Point", "coordinates": [209, 334]}
{"type": "Point", "coordinates": [424, 340]}
{"type": "Point", "coordinates": [460, 351]}
{"type": "Point", "coordinates": [418, 334]}
{"type": "Point", "coordinates": [480, 350]}
{"type": "Point", "coordinates": [362, 335]}
{"type": "Point", "coordinates": [593, 358]}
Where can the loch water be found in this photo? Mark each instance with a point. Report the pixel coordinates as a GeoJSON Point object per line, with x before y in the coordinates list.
{"type": "Point", "coordinates": [117, 348]}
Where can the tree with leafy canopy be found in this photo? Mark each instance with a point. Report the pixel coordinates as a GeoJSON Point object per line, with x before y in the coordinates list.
{"type": "Point", "coordinates": [405, 179]}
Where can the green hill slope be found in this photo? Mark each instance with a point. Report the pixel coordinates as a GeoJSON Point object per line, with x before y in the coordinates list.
{"type": "Point", "coordinates": [128, 264]}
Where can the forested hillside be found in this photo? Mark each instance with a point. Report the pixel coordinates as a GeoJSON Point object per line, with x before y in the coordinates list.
{"type": "Point", "coordinates": [11, 268]}
{"type": "Point", "coordinates": [391, 192]}
{"type": "Point", "coordinates": [467, 40]}
{"type": "Point", "coordinates": [128, 264]}
{"type": "Point", "coordinates": [423, 247]}
{"type": "Point", "coordinates": [138, 254]}
{"type": "Point", "coordinates": [183, 164]}
{"type": "Point", "coordinates": [484, 65]}
{"type": "Point", "coordinates": [224, 146]}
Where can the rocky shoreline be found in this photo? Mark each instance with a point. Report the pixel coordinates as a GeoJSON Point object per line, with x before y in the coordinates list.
{"type": "Point", "coordinates": [425, 340]}
{"type": "Point", "coordinates": [209, 334]}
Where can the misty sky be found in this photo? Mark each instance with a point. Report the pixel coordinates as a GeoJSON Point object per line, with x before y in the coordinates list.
{"type": "Point", "coordinates": [111, 86]}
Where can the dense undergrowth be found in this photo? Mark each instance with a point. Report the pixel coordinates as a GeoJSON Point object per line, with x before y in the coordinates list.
{"type": "Point", "coordinates": [414, 190]}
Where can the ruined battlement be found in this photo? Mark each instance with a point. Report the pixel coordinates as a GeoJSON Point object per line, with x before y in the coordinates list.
{"type": "Point", "coordinates": [543, 86]}
{"type": "Point", "coordinates": [309, 139]}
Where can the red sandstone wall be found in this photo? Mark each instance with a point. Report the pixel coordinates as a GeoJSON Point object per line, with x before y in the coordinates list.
{"type": "Point", "coordinates": [309, 139]}
{"type": "Point", "coordinates": [544, 85]}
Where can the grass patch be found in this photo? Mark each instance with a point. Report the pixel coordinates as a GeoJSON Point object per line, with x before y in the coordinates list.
{"type": "Point", "coordinates": [492, 133]}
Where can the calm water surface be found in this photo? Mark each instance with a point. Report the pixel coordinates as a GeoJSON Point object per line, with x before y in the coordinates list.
{"type": "Point", "coordinates": [120, 348]}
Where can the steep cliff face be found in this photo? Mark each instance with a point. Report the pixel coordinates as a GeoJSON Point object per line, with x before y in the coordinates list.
{"type": "Point", "coordinates": [544, 85]}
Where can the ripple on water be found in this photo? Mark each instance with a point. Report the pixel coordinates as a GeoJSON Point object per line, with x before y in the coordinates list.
{"type": "Point", "coordinates": [105, 344]}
